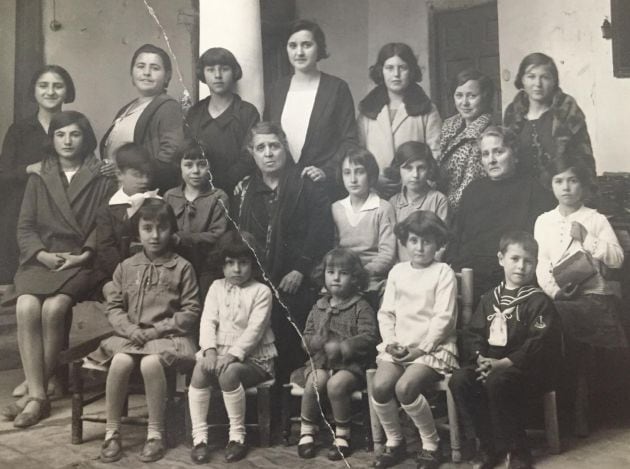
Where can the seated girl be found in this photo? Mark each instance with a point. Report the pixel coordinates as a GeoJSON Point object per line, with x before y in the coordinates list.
{"type": "Point", "coordinates": [237, 345]}
{"type": "Point", "coordinates": [414, 167]}
{"type": "Point", "coordinates": [341, 335]}
{"type": "Point", "coordinates": [154, 310]}
{"type": "Point", "coordinates": [589, 310]}
{"type": "Point", "coordinates": [364, 222]}
{"type": "Point", "coordinates": [201, 212]}
{"type": "Point", "coordinates": [417, 322]}
{"type": "Point", "coordinates": [56, 239]}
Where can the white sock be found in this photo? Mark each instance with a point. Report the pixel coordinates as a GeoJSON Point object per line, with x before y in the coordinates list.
{"type": "Point", "coordinates": [111, 428]}
{"type": "Point", "coordinates": [420, 413]}
{"type": "Point", "coordinates": [342, 433]}
{"type": "Point", "coordinates": [235, 407]}
{"type": "Point", "coordinates": [388, 416]}
{"type": "Point", "coordinates": [199, 402]}
{"type": "Point", "coordinates": [155, 431]}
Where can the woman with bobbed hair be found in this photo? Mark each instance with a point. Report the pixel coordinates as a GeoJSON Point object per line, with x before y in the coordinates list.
{"type": "Point", "coordinates": [397, 110]}
{"type": "Point", "coordinates": [548, 121]}
{"type": "Point", "coordinates": [153, 119]}
{"type": "Point", "coordinates": [459, 158]}
{"type": "Point", "coordinates": [56, 235]}
{"type": "Point", "coordinates": [220, 122]}
{"type": "Point", "coordinates": [22, 153]}
{"type": "Point", "coordinates": [315, 109]}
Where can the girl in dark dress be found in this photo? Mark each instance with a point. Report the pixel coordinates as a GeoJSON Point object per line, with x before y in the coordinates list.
{"type": "Point", "coordinates": [56, 239]}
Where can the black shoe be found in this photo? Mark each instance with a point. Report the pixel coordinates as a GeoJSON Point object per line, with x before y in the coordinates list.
{"type": "Point", "coordinates": [391, 456]}
{"type": "Point", "coordinates": [200, 453]}
{"type": "Point", "coordinates": [111, 451]}
{"type": "Point", "coordinates": [428, 459]}
{"type": "Point", "coordinates": [337, 453]}
{"type": "Point", "coordinates": [306, 450]}
{"type": "Point", "coordinates": [519, 459]}
{"type": "Point", "coordinates": [153, 450]}
{"type": "Point", "coordinates": [487, 460]}
{"type": "Point", "coordinates": [235, 451]}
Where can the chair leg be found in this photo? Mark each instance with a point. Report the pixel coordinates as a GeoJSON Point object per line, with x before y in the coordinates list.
{"type": "Point", "coordinates": [551, 422]}
{"type": "Point", "coordinates": [286, 415]}
{"type": "Point", "coordinates": [367, 425]}
{"type": "Point", "coordinates": [77, 403]}
{"type": "Point", "coordinates": [378, 435]}
{"type": "Point", "coordinates": [264, 416]}
{"type": "Point", "coordinates": [188, 421]}
{"type": "Point", "coordinates": [453, 427]}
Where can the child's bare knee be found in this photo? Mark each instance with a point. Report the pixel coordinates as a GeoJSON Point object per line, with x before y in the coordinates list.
{"type": "Point", "coordinates": [150, 364]}
{"type": "Point", "coordinates": [406, 391]}
{"type": "Point", "coordinates": [230, 379]}
{"type": "Point", "coordinates": [122, 362]}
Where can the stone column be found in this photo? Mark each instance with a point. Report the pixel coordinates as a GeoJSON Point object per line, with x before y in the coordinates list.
{"type": "Point", "coordinates": [235, 25]}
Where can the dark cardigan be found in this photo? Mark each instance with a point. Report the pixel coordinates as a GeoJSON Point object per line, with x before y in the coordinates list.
{"type": "Point", "coordinates": [332, 125]}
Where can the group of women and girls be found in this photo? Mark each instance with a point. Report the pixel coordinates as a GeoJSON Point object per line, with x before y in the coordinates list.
{"type": "Point", "coordinates": [368, 277]}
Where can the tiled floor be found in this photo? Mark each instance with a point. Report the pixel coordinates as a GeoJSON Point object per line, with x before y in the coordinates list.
{"type": "Point", "coordinates": [47, 446]}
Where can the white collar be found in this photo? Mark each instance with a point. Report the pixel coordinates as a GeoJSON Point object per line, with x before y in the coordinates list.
{"type": "Point", "coordinates": [373, 202]}
{"type": "Point", "coordinates": [579, 213]}
{"type": "Point", "coordinates": [120, 198]}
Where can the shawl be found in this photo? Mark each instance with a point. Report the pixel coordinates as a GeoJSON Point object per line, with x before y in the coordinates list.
{"type": "Point", "coordinates": [569, 131]}
{"type": "Point", "coordinates": [415, 99]}
{"type": "Point", "coordinates": [460, 156]}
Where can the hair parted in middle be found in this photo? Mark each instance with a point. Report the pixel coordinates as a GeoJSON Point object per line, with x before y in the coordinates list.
{"type": "Point", "coordinates": [155, 209]}
{"type": "Point", "coordinates": [316, 31]}
{"type": "Point", "coordinates": [486, 86]}
{"type": "Point", "coordinates": [151, 49]}
{"type": "Point", "coordinates": [409, 152]}
{"type": "Point", "coordinates": [359, 156]}
{"type": "Point", "coordinates": [218, 56]}
{"type": "Point", "coordinates": [343, 258]}
{"type": "Point", "coordinates": [390, 50]}
{"type": "Point", "coordinates": [425, 224]}
{"type": "Point", "coordinates": [64, 118]}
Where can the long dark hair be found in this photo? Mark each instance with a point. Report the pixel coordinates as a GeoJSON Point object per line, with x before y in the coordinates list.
{"type": "Point", "coordinates": [65, 118]}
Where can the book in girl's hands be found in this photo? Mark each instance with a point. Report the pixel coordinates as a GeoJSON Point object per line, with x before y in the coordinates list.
{"type": "Point", "coordinates": [574, 269]}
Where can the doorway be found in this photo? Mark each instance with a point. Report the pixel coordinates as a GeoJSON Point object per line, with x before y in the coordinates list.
{"type": "Point", "coordinates": [465, 38]}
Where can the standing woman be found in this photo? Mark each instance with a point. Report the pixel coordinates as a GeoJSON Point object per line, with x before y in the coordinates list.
{"type": "Point", "coordinates": [22, 153]}
{"type": "Point", "coordinates": [221, 121]}
{"type": "Point", "coordinates": [315, 109]}
{"type": "Point", "coordinates": [153, 120]}
{"type": "Point", "coordinates": [460, 157]}
{"type": "Point", "coordinates": [396, 111]}
{"type": "Point", "coordinates": [56, 234]}
{"type": "Point", "coordinates": [290, 219]}
{"type": "Point", "coordinates": [549, 123]}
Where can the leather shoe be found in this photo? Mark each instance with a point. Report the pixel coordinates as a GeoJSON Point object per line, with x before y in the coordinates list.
{"type": "Point", "coordinates": [153, 450]}
{"type": "Point", "coordinates": [306, 450]}
{"type": "Point", "coordinates": [235, 451]}
{"type": "Point", "coordinates": [428, 459]}
{"type": "Point", "coordinates": [487, 460]}
{"type": "Point", "coordinates": [200, 453]}
{"type": "Point", "coordinates": [111, 450]}
{"type": "Point", "coordinates": [520, 459]}
{"type": "Point", "coordinates": [337, 453]}
{"type": "Point", "coordinates": [11, 411]}
{"type": "Point", "coordinates": [28, 419]}
{"type": "Point", "coordinates": [391, 456]}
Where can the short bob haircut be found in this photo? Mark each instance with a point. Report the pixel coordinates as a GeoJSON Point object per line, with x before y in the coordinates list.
{"type": "Point", "coordinates": [157, 210]}
{"type": "Point", "coordinates": [564, 163]}
{"type": "Point", "coordinates": [318, 35]}
{"type": "Point", "coordinates": [425, 224]}
{"type": "Point", "coordinates": [360, 156]}
{"type": "Point", "coordinates": [507, 136]}
{"type": "Point", "coordinates": [63, 74]}
{"type": "Point", "coordinates": [346, 259]}
{"type": "Point", "coordinates": [390, 50]}
{"type": "Point", "coordinates": [536, 59]}
{"type": "Point", "coordinates": [151, 49]}
{"type": "Point", "coordinates": [236, 245]}
{"type": "Point", "coordinates": [486, 86]}
{"type": "Point", "coordinates": [521, 238]}
{"type": "Point", "coordinates": [267, 128]}
{"type": "Point", "coordinates": [409, 152]}
{"type": "Point", "coordinates": [134, 156]}
{"type": "Point", "coordinates": [65, 118]}
{"type": "Point", "coordinates": [192, 150]}
{"type": "Point", "coordinates": [218, 56]}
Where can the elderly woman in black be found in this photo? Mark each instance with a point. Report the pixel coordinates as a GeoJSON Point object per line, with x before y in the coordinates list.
{"type": "Point", "coordinates": [291, 221]}
{"type": "Point", "coordinates": [153, 119]}
{"type": "Point", "coordinates": [548, 122]}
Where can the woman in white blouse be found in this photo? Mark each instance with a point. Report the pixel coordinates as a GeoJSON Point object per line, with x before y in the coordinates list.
{"type": "Point", "coordinates": [315, 109]}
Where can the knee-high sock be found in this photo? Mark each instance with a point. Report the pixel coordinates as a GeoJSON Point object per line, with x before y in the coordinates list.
{"type": "Point", "coordinates": [199, 403]}
{"type": "Point", "coordinates": [235, 407]}
{"type": "Point", "coordinates": [420, 413]}
{"type": "Point", "coordinates": [388, 416]}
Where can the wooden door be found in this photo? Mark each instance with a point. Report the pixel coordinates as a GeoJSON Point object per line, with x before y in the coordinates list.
{"type": "Point", "coordinates": [462, 39]}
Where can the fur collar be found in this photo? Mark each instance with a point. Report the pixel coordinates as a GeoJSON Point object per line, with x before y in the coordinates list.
{"type": "Point", "coordinates": [416, 101]}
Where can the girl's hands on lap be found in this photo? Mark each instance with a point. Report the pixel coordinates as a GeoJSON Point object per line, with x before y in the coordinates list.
{"type": "Point", "coordinates": [150, 334]}
{"type": "Point", "coordinates": [396, 350]}
{"type": "Point", "coordinates": [578, 232]}
{"type": "Point", "coordinates": [410, 356]}
{"type": "Point", "coordinates": [72, 260]}
{"type": "Point", "coordinates": [223, 363]}
{"type": "Point", "coordinates": [137, 338]}
{"type": "Point", "coordinates": [51, 260]}
{"type": "Point", "coordinates": [314, 173]}
{"type": "Point", "coordinates": [209, 361]}
{"type": "Point", "coordinates": [291, 282]}
{"type": "Point", "coordinates": [567, 292]}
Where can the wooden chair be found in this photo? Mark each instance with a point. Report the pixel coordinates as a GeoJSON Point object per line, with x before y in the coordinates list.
{"type": "Point", "coordinates": [293, 391]}
{"type": "Point", "coordinates": [79, 347]}
{"type": "Point", "coordinates": [262, 393]}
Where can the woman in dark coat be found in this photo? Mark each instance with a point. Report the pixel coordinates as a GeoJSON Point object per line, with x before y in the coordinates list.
{"type": "Point", "coordinates": [56, 238]}
{"type": "Point", "coordinates": [315, 109]}
{"type": "Point", "coordinates": [221, 121]}
{"type": "Point", "coordinates": [548, 122]}
{"type": "Point", "coordinates": [22, 153]}
{"type": "Point", "coordinates": [290, 219]}
{"type": "Point", "coordinates": [153, 120]}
